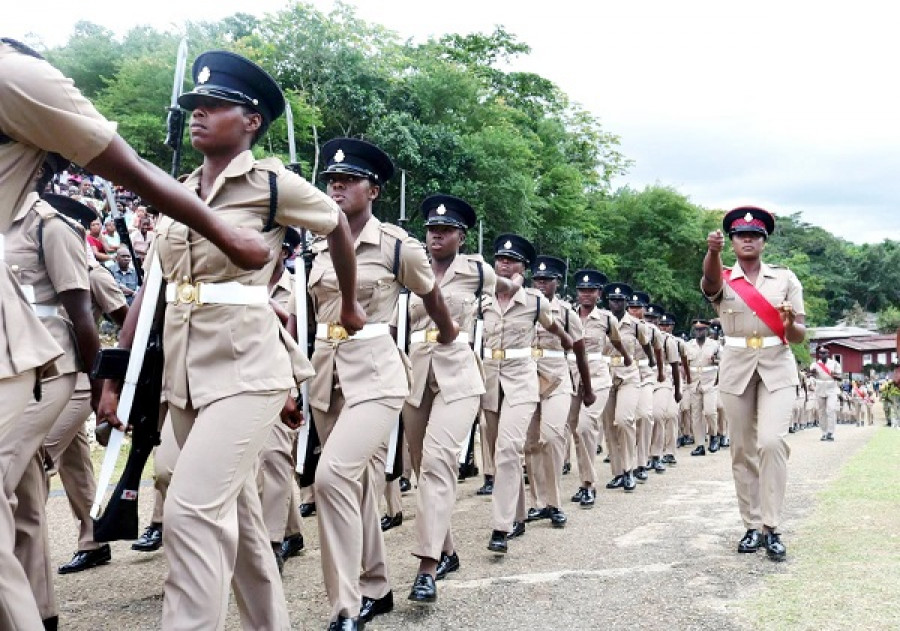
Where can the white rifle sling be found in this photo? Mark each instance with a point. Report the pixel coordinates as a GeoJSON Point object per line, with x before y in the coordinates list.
{"type": "Point", "coordinates": [303, 341]}
{"type": "Point", "coordinates": [402, 309]}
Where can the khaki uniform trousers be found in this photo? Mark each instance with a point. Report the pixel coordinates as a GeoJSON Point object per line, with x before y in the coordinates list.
{"type": "Point", "coordinates": [644, 422]}
{"type": "Point", "coordinates": [585, 425]}
{"type": "Point", "coordinates": [435, 432]}
{"type": "Point", "coordinates": [18, 609]}
{"type": "Point", "coordinates": [704, 417]}
{"type": "Point", "coordinates": [798, 412]}
{"type": "Point", "coordinates": [275, 481]}
{"type": "Point", "coordinates": [165, 455]}
{"type": "Point", "coordinates": [488, 438]}
{"type": "Point", "coordinates": [69, 454]}
{"type": "Point", "coordinates": [721, 416]}
{"type": "Point", "coordinates": [619, 424]}
{"type": "Point", "coordinates": [870, 411]}
{"type": "Point", "coordinates": [665, 426]}
{"type": "Point", "coordinates": [827, 409]}
{"type": "Point", "coordinates": [25, 485]}
{"type": "Point", "coordinates": [393, 496]}
{"type": "Point", "coordinates": [214, 534]}
{"type": "Point", "coordinates": [509, 428]}
{"type": "Point", "coordinates": [349, 482]}
{"type": "Point", "coordinates": [759, 452]}
{"type": "Point", "coordinates": [545, 449]}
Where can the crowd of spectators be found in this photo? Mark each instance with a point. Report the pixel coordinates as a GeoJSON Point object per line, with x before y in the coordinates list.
{"type": "Point", "coordinates": [103, 239]}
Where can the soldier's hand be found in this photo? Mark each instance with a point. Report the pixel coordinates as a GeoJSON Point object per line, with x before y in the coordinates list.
{"type": "Point", "coordinates": [518, 279]}
{"type": "Point", "coordinates": [660, 376]}
{"type": "Point", "coordinates": [106, 409]}
{"type": "Point", "coordinates": [566, 340]}
{"type": "Point", "coordinates": [589, 398]}
{"type": "Point", "coordinates": [353, 316]}
{"type": "Point", "coordinates": [627, 360]}
{"type": "Point", "coordinates": [715, 241]}
{"type": "Point", "coordinates": [248, 249]}
{"type": "Point", "coordinates": [442, 339]}
{"type": "Point", "coordinates": [291, 413]}
{"type": "Point", "coordinates": [678, 396]}
{"type": "Point", "coordinates": [786, 311]}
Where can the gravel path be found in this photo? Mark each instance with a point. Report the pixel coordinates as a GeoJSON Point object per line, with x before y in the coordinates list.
{"type": "Point", "coordinates": [663, 556]}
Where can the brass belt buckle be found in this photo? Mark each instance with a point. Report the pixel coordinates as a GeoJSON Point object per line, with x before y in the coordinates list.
{"type": "Point", "coordinates": [431, 335]}
{"type": "Point", "coordinates": [337, 332]}
{"type": "Point", "coordinates": [617, 361]}
{"type": "Point", "coordinates": [755, 342]}
{"type": "Point", "coordinates": [187, 292]}
{"type": "Point", "coordinates": [537, 353]}
{"type": "Point", "coordinates": [498, 353]}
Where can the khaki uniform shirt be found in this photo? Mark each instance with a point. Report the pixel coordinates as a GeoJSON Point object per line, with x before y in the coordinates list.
{"type": "Point", "coordinates": [670, 354]}
{"type": "Point", "coordinates": [51, 264]}
{"type": "Point", "coordinates": [215, 351]}
{"type": "Point", "coordinates": [649, 373]}
{"type": "Point", "coordinates": [512, 327]}
{"type": "Point", "coordinates": [282, 292]}
{"type": "Point", "coordinates": [556, 369]}
{"type": "Point", "coordinates": [457, 372]}
{"type": "Point", "coordinates": [775, 365]}
{"type": "Point", "coordinates": [373, 368]}
{"type": "Point", "coordinates": [40, 111]}
{"type": "Point", "coordinates": [701, 360]}
{"type": "Point", "coordinates": [633, 334]}
{"type": "Point", "coordinates": [601, 328]}
{"type": "Point", "coordinates": [106, 295]}
{"type": "Point", "coordinates": [825, 384]}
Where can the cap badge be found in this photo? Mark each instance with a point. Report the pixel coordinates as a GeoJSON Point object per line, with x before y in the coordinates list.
{"type": "Point", "coordinates": [203, 75]}
{"type": "Point", "coordinates": [634, 298]}
{"type": "Point", "coordinates": [542, 266]}
{"type": "Point", "coordinates": [441, 210]}
{"type": "Point", "coordinates": [507, 245]}
{"type": "Point", "coordinates": [339, 156]}
{"type": "Point", "coordinates": [586, 278]}
{"type": "Point", "coordinates": [748, 217]}
{"type": "Point", "coordinates": [618, 290]}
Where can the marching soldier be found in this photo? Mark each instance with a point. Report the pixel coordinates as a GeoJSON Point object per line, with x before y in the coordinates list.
{"type": "Point", "coordinates": [670, 416]}
{"type": "Point", "coordinates": [624, 396]}
{"type": "Point", "coordinates": [703, 355]}
{"type": "Point", "coordinates": [511, 381]}
{"type": "Point", "coordinates": [761, 308]}
{"type": "Point", "coordinates": [651, 370]}
{"type": "Point", "coordinates": [666, 393]}
{"type": "Point", "coordinates": [545, 446]}
{"type": "Point", "coordinates": [361, 381]}
{"type": "Point", "coordinates": [828, 374]}
{"type": "Point", "coordinates": [715, 330]}
{"type": "Point", "coordinates": [601, 327]}
{"type": "Point", "coordinates": [229, 364]}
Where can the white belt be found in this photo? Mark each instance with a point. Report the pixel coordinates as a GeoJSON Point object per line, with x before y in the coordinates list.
{"type": "Point", "coordinates": [231, 293]}
{"type": "Point", "coordinates": [41, 311]}
{"type": "Point", "coordinates": [539, 353]}
{"type": "Point", "coordinates": [597, 356]}
{"type": "Point", "coordinates": [430, 336]}
{"type": "Point", "coordinates": [505, 353]}
{"type": "Point", "coordinates": [704, 368]}
{"type": "Point", "coordinates": [28, 290]}
{"type": "Point", "coordinates": [643, 362]}
{"type": "Point", "coordinates": [334, 332]}
{"type": "Point", "coordinates": [753, 341]}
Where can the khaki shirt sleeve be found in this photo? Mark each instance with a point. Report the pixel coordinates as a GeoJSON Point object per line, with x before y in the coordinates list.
{"type": "Point", "coordinates": [613, 333]}
{"type": "Point", "coordinates": [67, 268]}
{"type": "Point", "coordinates": [414, 271]}
{"type": "Point", "coordinates": [302, 204]}
{"type": "Point", "coordinates": [44, 109]}
{"type": "Point", "coordinates": [545, 314]}
{"type": "Point", "coordinates": [576, 328]}
{"type": "Point", "coordinates": [643, 335]}
{"type": "Point", "coordinates": [105, 292]}
{"type": "Point", "coordinates": [795, 293]}
{"type": "Point", "coordinates": [490, 279]}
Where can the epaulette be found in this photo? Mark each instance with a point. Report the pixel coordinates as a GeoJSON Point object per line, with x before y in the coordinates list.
{"type": "Point", "coordinates": [533, 292]}
{"type": "Point", "coordinates": [269, 164]}
{"type": "Point", "coordinates": [776, 266]}
{"type": "Point", "coordinates": [394, 231]}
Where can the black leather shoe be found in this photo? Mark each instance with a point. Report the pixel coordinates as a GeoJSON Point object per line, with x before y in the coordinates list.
{"type": "Point", "coordinates": [488, 487]}
{"type": "Point", "coordinates": [567, 467]}
{"type": "Point", "coordinates": [669, 459]}
{"type": "Point", "coordinates": [699, 450]}
{"type": "Point", "coordinates": [628, 482]}
{"type": "Point", "coordinates": [713, 444]}
{"type": "Point", "coordinates": [616, 483]}
{"type": "Point", "coordinates": [606, 460]}
{"type": "Point", "coordinates": [588, 498]}
{"type": "Point", "coordinates": [751, 542]}
{"type": "Point", "coordinates": [447, 564]}
{"type": "Point", "coordinates": [792, 429]}
{"type": "Point", "coordinates": [829, 436]}
{"type": "Point", "coordinates": [149, 541]}
{"type": "Point", "coordinates": [536, 514]}
{"type": "Point", "coordinates": [824, 437]}
{"type": "Point", "coordinates": [388, 521]}
{"type": "Point", "coordinates": [517, 531]}
{"type": "Point", "coordinates": [372, 607]}
{"type": "Point", "coordinates": [498, 542]}
{"type": "Point", "coordinates": [599, 449]}
{"type": "Point", "coordinates": [577, 497]}
{"type": "Point", "coordinates": [640, 474]}
{"type": "Point", "coordinates": [405, 485]}
{"type": "Point", "coordinates": [775, 550]}
{"type": "Point", "coordinates": [346, 624]}
{"type": "Point", "coordinates": [657, 465]}
{"type": "Point", "coordinates": [688, 440]}
{"type": "Point", "coordinates": [423, 590]}
{"type": "Point", "coordinates": [86, 559]}
{"type": "Point", "coordinates": [291, 547]}
{"type": "Point", "coordinates": [558, 518]}
{"type": "Point", "coordinates": [308, 509]}
{"type": "Point", "coordinates": [724, 442]}
{"type": "Point", "coordinates": [680, 441]}
{"type": "Point", "coordinates": [51, 624]}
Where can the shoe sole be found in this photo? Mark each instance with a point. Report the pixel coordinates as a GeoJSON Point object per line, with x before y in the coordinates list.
{"type": "Point", "coordinates": [82, 569]}
{"type": "Point", "coordinates": [777, 558]}
{"type": "Point", "coordinates": [497, 549]}
{"type": "Point", "coordinates": [421, 601]}
{"type": "Point", "coordinates": [587, 506]}
{"type": "Point", "coordinates": [753, 551]}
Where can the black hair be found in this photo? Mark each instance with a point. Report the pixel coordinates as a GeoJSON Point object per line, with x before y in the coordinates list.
{"type": "Point", "coordinates": [263, 127]}
{"type": "Point", "coordinates": [22, 48]}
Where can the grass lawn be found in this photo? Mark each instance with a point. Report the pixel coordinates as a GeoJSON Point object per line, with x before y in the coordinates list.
{"type": "Point", "coordinates": [97, 453]}
{"type": "Point", "coordinates": [844, 570]}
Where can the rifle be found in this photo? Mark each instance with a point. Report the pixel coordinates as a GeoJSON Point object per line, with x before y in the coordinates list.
{"type": "Point", "coordinates": [122, 231]}
{"type": "Point", "coordinates": [467, 467]}
{"type": "Point", "coordinates": [138, 407]}
{"type": "Point", "coordinates": [393, 464]}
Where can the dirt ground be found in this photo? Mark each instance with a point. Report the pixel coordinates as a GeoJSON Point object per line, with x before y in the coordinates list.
{"type": "Point", "coordinates": [662, 557]}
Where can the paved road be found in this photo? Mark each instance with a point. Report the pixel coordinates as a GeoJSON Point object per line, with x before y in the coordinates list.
{"type": "Point", "coordinates": [662, 557]}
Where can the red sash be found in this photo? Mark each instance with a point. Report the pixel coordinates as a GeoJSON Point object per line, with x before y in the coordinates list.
{"type": "Point", "coordinates": [823, 368]}
{"type": "Point", "coordinates": [764, 309]}
{"type": "Point", "coordinates": [859, 393]}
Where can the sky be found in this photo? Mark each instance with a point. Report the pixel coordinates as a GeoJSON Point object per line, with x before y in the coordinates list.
{"type": "Point", "coordinates": [792, 106]}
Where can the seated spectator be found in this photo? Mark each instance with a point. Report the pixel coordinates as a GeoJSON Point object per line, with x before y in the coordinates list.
{"type": "Point", "coordinates": [125, 274]}
{"type": "Point", "coordinates": [110, 238]}
{"type": "Point", "coordinates": [96, 243]}
{"type": "Point", "coordinates": [143, 236]}
{"type": "Point", "coordinates": [139, 213]}
{"type": "Point", "coordinates": [87, 195]}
